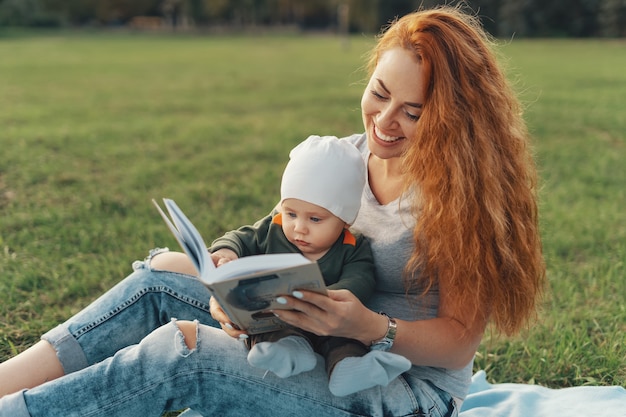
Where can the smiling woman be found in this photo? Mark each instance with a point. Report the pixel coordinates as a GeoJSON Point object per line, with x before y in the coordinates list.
{"type": "Point", "coordinates": [391, 107]}
{"type": "Point", "coordinates": [449, 209]}
{"type": "Point", "coordinates": [393, 100]}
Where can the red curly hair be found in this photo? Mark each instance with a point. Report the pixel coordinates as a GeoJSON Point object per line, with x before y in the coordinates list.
{"type": "Point", "coordinates": [477, 220]}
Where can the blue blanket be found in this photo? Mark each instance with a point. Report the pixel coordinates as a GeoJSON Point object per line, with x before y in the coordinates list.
{"type": "Point", "coordinates": [520, 400]}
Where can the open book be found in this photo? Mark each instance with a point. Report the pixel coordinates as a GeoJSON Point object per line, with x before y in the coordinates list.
{"type": "Point", "coordinates": [245, 288]}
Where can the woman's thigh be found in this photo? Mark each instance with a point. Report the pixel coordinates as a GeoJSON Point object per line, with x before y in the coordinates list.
{"type": "Point", "coordinates": [229, 386]}
{"type": "Point", "coordinates": [213, 377]}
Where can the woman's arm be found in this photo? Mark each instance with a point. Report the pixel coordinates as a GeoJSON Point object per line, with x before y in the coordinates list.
{"type": "Point", "coordinates": [443, 341]}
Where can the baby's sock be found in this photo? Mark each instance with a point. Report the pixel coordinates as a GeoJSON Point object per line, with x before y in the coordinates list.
{"type": "Point", "coordinates": [355, 374]}
{"type": "Point", "coordinates": [286, 357]}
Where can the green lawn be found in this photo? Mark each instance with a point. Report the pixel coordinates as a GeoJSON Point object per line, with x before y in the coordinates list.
{"type": "Point", "coordinates": [93, 126]}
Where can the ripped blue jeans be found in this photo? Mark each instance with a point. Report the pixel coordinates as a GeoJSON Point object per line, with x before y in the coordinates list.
{"type": "Point", "coordinates": [124, 355]}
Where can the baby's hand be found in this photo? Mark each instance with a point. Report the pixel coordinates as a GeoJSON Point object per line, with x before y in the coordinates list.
{"type": "Point", "coordinates": [222, 256]}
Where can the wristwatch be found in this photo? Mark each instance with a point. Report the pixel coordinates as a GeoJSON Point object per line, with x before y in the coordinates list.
{"type": "Point", "coordinates": [386, 342]}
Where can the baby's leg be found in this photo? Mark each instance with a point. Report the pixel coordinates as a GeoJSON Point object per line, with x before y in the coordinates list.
{"type": "Point", "coordinates": [376, 368]}
{"type": "Point", "coordinates": [285, 353]}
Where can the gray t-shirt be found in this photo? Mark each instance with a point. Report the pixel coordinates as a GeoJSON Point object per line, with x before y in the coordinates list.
{"type": "Point", "coordinates": [389, 229]}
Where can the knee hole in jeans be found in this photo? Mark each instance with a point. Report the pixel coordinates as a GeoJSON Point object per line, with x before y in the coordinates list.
{"type": "Point", "coordinates": [187, 334]}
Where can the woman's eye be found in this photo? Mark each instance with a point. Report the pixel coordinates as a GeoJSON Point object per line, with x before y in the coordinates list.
{"type": "Point", "coordinates": [377, 95]}
{"type": "Point", "coordinates": [412, 117]}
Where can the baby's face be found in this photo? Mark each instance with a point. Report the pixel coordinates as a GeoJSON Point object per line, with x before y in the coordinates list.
{"type": "Point", "coordinates": [311, 228]}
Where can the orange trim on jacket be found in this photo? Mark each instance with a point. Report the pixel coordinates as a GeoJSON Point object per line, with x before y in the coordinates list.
{"type": "Point", "coordinates": [348, 237]}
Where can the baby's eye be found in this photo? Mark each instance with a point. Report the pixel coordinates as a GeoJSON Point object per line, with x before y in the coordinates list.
{"type": "Point", "coordinates": [291, 214]}
{"type": "Point", "coordinates": [316, 219]}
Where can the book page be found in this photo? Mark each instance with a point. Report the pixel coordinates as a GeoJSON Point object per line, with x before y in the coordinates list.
{"type": "Point", "coordinates": [254, 264]}
{"type": "Point", "coordinates": [187, 236]}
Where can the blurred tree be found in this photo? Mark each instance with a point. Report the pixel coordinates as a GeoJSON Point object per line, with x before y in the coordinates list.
{"type": "Point", "coordinates": [28, 13]}
{"type": "Point", "coordinates": [218, 10]}
{"type": "Point", "coordinates": [16, 12]}
{"type": "Point", "coordinates": [364, 15]}
{"type": "Point", "coordinates": [391, 9]}
{"type": "Point", "coordinates": [555, 18]}
{"type": "Point", "coordinates": [107, 12]}
{"type": "Point", "coordinates": [487, 11]}
{"type": "Point", "coordinates": [503, 18]}
{"type": "Point", "coordinates": [511, 18]}
{"type": "Point", "coordinates": [612, 18]}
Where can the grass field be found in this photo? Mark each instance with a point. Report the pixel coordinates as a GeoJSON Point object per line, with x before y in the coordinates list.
{"type": "Point", "coordinates": [94, 126]}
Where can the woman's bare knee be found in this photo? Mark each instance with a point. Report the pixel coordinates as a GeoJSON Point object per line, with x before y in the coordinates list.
{"type": "Point", "coordinates": [189, 330]}
{"type": "Point", "coordinates": [173, 261]}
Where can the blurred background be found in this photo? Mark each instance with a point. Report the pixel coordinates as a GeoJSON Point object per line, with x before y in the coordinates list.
{"type": "Point", "coordinates": [105, 104]}
{"type": "Point", "coordinates": [502, 18]}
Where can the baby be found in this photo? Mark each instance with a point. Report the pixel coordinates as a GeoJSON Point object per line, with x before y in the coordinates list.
{"type": "Point", "coordinates": [321, 192]}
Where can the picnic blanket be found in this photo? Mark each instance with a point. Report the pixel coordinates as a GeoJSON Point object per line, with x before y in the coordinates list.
{"type": "Point", "coordinates": [525, 400]}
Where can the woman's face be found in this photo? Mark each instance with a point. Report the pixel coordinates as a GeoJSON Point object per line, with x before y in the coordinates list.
{"type": "Point", "coordinates": [392, 103]}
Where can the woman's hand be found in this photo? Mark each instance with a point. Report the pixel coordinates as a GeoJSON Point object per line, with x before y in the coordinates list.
{"type": "Point", "coordinates": [218, 314]}
{"type": "Point", "coordinates": [338, 314]}
{"type": "Point", "coordinates": [220, 257]}
{"type": "Point", "coordinates": [441, 341]}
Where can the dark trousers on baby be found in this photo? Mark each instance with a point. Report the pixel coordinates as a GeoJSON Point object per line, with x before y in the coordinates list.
{"type": "Point", "coordinates": [332, 349]}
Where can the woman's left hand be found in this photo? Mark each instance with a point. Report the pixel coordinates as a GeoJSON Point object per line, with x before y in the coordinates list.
{"type": "Point", "coordinates": [338, 314]}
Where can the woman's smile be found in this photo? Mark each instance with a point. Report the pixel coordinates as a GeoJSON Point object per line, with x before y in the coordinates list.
{"type": "Point", "coordinates": [386, 138]}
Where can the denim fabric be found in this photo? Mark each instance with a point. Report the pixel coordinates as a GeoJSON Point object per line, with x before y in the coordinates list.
{"type": "Point", "coordinates": [128, 358]}
{"type": "Point", "coordinates": [161, 373]}
{"type": "Point", "coordinates": [124, 315]}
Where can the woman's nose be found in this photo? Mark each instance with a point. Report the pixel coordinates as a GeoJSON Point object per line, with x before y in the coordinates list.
{"type": "Point", "coordinates": [386, 118]}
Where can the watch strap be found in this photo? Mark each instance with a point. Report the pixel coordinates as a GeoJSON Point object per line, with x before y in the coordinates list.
{"type": "Point", "coordinates": [386, 342]}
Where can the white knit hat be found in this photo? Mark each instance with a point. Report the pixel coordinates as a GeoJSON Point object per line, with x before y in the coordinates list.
{"type": "Point", "coordinates": [328, 172]}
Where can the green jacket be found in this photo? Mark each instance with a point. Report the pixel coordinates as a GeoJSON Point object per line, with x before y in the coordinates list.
{"type": "Point", "coordinates": [348, 264]}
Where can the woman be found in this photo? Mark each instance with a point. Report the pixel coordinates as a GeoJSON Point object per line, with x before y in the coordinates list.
{"type": "Point", "coordinates": [450, 211]}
